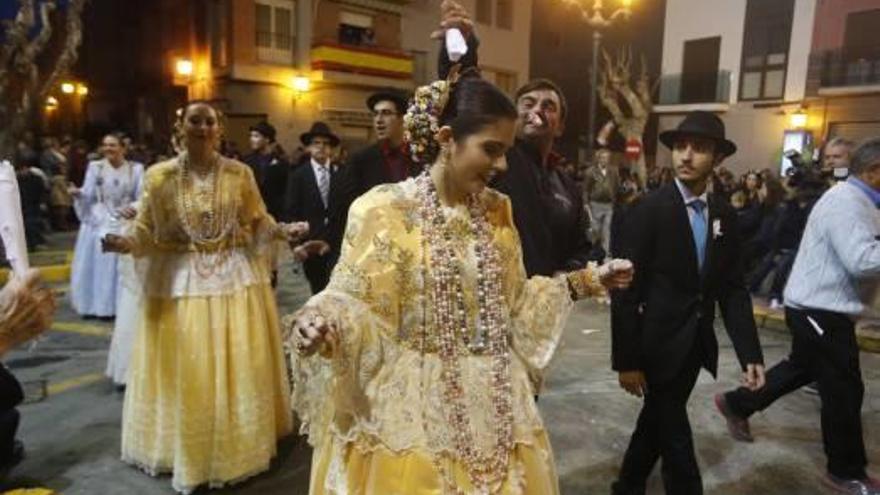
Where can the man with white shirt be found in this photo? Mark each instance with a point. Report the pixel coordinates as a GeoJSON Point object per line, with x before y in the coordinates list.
{"type": "Point", "coordinates": [836, 270]}
{"type": "Point", "coordinates": [311, 193]}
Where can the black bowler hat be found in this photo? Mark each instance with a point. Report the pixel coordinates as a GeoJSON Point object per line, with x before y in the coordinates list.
{"type": "Point", "coordinates": [701, 124]}
{"type": "Point", "coordinates": [266, 129]}
{"type": "Point", "coordinates": [319, 129]}
{"type": "Point", "coordinates": [396, 96]}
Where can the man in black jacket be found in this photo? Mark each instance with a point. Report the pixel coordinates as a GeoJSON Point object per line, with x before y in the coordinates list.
{"type": "Point", "coordinates": [548, 208]}
{"type": "Point", "coordinates": [311, 196]}
{"type": "Point", "coordinates": [386, 161]}
{"type": "Point", "coordinates": [686, 249]}
{"type": "Point", "coordinates": [269, 166]}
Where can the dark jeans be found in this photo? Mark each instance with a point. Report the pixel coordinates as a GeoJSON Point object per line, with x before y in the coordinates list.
{"type": "Point", "coordinates": [779, 261]}
{"type": "Point", "coordinates": [664, 431]}
{"type": "Point", "coordinates": [832, 360]}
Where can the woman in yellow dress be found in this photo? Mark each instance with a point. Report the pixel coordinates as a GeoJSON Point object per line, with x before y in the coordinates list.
{"type": "Point", "coordinates": [417, 366]}
{"type": "Point", "coordinates": [208, 395]}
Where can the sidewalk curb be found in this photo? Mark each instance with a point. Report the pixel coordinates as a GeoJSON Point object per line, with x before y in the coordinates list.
{"type": "Point", "coordinates": [50, 273]}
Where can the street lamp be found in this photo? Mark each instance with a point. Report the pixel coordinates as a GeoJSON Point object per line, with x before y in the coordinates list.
{"type": "Point", "coordinates": [82, 90]}
{"type": "Point", "coordinates": [595, 17]}
{"type": "Point", "coordinates": [68, 88]}
{"type": "Point", "coordinates": [184, 67]}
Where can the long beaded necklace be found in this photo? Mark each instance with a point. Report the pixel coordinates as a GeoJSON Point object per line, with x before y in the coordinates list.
{"type": "Point", "coordinates": [487, 471]}
{"type": "Point", "coordinates": [204, 216]}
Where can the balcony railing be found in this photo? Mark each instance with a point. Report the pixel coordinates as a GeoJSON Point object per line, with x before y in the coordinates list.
{"type": "Point", "coordinates": [683, 89]}
{"type": "Point", "coordinates": [837, 68]}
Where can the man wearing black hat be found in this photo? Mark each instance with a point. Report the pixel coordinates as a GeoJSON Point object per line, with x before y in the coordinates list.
{"type": "Point", "coordinates": [686, 250]}
{"type": "Point", "coordinates": [311, 196]}
{"type": "Point", "coordinates": [269, 166]}
{"type": "Point", "coordinates": [386, 161]}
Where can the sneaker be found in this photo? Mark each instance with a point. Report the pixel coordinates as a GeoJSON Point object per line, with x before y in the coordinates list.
{"type": "Point", "coordinates": [867, 486]}
{"type": "Point", "coordinates": [737, 426]}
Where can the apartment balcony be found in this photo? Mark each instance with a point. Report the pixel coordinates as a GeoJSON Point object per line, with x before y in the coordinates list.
{"type": "Point", "coordinates": [836, 72]}
{"type": "Point", "coordinates": [362, 60]}
{"type": "Point", "coordinates": [686, 92]}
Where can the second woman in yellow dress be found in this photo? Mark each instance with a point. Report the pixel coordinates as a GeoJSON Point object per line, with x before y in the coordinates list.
{"type": "Point", "coordinates": [418, 364]}
{"type": "Point", "coordinates": [208, 395]}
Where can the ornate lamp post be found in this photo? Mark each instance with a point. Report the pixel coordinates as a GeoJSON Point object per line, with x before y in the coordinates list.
{"type": "Point", "coordinates": [595, 17]}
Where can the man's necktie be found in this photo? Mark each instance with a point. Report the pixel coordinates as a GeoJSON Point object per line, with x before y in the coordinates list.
{"type": "Point", "coordinates": [699, 229]}
{"type": "Point", "coordinates": [324, 184]}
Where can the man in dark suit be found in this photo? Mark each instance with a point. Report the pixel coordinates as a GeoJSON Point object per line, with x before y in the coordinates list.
{"type": "Point", "coordinates": [311, 193]}
{"type": "Point", "coordinates": [686, 251]}
{"type": "Point", "coordinates": [386, 161]}
{"type": "Point", "coordinates": [269, 165]}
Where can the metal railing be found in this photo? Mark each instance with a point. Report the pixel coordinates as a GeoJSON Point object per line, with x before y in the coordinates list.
{"type": "Point", "coordinates": [837, 68]}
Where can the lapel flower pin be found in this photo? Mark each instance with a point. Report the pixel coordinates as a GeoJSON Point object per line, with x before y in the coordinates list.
{"type": "Point", "coordinates": [716, 229]}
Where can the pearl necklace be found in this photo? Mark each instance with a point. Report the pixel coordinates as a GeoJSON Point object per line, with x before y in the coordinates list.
{"type": "Point", "coordinates": [487, 471]}
{"type": "Point", "coordinates": [204, 217]}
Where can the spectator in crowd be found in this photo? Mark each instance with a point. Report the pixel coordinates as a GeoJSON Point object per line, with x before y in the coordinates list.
{"type": "Point", "coordinates": [835, 158]}
{"type": "Point", "coordinates": [269, 165]}
{"type": "Point", "coordinates": [751, 184]}
{"type": "Point", "coordinates": [311, 194]}
{"type": "Point", "coordinates": [600, 186]}
{"type": "Point", "coordinates": [32, 190]}
{"type": "Point", "coordinates": [53, 162]}
{"type": "Point", "coordinates": [774, 244]}
{"type": "Point", "coordinates": [77, 162]}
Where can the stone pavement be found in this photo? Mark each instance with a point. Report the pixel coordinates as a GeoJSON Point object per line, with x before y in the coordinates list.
{"type": "Point", "coordinates": [72, 435]}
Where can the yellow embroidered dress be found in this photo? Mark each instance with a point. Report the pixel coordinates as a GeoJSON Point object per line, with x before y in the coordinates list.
{"type": "Point", "coordinates": [373, 402]}
{"type": "Point", "coordinates": [207, 394]}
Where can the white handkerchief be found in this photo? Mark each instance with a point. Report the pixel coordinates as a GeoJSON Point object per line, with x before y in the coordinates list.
{"type": "Point", "coordinates": [456, 46]}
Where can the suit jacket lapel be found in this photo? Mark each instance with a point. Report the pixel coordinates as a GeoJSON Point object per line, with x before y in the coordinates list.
{"type": "Point", "coordinates": [681, 229]}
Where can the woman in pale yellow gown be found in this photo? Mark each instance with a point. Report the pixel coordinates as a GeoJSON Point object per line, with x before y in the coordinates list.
{"type": "Point", "coordinates": [418, 365]}
{"type": "Point", "coordinates": [208, 395]}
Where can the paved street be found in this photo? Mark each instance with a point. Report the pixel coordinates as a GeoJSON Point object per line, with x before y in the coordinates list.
{"type": "Point", "coordinates": [72, 436]}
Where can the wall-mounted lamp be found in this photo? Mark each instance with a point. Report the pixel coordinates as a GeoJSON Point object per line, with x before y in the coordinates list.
{"type": "Point", "coordinates": [183, 67]}
{"type": "Point", "coordinates": [82, 90]}
{"type": "Point", "coordinates": [68, 88]}
{"type": "Point", "coordinates": [51, 103]}
{"type": "Point", "coordinates": [300, 84]}
{"type": "Point", "coordinates": [798, 119]}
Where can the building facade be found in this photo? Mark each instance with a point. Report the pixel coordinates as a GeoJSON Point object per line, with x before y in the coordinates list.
{"type": "Point", "coordinates": [746, 60]}
{"type": "Point", "coordinates": [296, 61]}
{"type": "Point", "coordinates": [843, 83]}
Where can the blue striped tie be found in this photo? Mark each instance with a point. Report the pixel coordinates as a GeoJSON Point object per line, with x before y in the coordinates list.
{"type": "Point", "coordinates": [698, 227]}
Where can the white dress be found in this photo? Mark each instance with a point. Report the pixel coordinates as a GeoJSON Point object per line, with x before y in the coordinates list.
{"type": "Point", "coordinates": [94, 276]}
{"type": "Point", "coordinates": [128, 319]}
